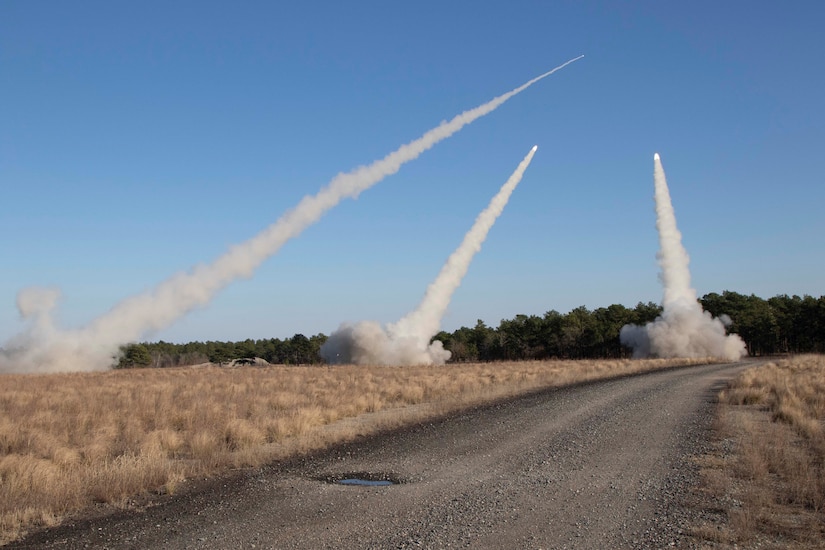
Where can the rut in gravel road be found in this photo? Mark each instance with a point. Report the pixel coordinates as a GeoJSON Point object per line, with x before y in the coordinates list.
{"type": "Point", "coordinates": [600, 465]}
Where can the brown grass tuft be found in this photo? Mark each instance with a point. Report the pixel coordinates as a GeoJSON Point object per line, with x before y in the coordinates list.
{"type": "Point", "coordinates": [242, 434]}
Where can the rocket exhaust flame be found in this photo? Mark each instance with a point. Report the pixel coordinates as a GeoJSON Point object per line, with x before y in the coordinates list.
{"type": "Point", "coordinates": [683, 329]}
{"type": "Point", "coordinates": [407, 342]}
{"type": "Point", "coordinates": [44, 348]}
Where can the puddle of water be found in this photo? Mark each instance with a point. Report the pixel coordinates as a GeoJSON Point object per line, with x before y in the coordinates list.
{"type": "Point", "coordinates": [365, 482]}
{"type": "Point", "coordinates": [363, 479]}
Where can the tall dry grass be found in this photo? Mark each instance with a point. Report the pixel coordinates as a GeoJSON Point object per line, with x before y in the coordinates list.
{"type": "Point", "coordinates": [769, 483]}
{"type": "Point", "coordinates": [70, 440]}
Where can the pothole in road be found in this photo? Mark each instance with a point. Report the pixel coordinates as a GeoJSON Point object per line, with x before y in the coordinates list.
{"type": "Point", "coordinates": [363, 479]}
{"type": "Point", "coordinates": [365, 482]}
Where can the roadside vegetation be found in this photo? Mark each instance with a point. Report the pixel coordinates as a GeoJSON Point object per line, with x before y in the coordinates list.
{"type": "Point", "coordinates": [764, 480]}
{"type": "Point", "coordinates": [68, 441]}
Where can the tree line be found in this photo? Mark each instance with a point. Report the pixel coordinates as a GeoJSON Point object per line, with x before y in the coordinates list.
{"type": "Point", "coordinates": [298, 350]}
{"type": "Point", "coordinates": [782, 324]}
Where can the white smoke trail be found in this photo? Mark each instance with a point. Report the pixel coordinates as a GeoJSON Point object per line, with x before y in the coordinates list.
{"type": "Point", "coordinates": [683, 329]}
{"type": "Point", "coordinates": [407, 342]}
{"type": "Point", "coordinates": [44, 349]}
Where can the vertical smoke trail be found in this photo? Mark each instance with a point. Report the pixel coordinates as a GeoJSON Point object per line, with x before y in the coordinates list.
{"type": "Point", "coordinates": [673, 258]}
{"type": "Point", "coordinates": [92, 347]}
{"type": "Point", "coordinates": [683, 329]}
{"type": "Point", "coordinates": [407, 342]}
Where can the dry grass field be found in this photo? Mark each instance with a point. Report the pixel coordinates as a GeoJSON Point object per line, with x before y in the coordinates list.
{"type": "Point", "coordinates": [766, 476]}
{"type": "Point", "coordinates": [68, 441]}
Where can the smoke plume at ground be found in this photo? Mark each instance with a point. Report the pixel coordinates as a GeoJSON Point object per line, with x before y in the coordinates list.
{"type": "Point", "coordinates": [45, 348]}
{"type": "Point", "coordinates": [683, 329]}
{"type": "Point", "coordinates": [407, 342]}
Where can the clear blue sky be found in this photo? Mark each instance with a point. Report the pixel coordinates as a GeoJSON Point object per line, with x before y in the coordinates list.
{"type": "Point", "coordinates": [140, 139]}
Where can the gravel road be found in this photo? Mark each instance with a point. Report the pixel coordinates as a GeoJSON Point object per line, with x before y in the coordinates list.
{"type": "Point", "coordinates": [600, 465]}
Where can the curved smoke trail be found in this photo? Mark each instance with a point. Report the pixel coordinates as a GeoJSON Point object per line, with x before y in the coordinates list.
{"type": "Point", "coordinates": [683, 329]}
{"type": "Point", "coordinates": [407, 342]}
{"type": "Point", "coordinates": [44, 348]}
